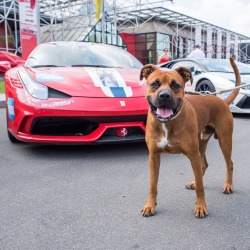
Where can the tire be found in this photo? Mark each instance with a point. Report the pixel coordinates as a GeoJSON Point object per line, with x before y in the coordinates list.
{"type": "Point", "coordinates": [11, 137]}
{"type": "Point", "coordinates": [205, 86]}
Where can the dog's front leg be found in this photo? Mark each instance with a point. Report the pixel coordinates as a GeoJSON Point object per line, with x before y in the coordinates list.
{"type": "Point", "coordinates": [154, 167]}
{"type": "Point", "coordinates": [200, 207]}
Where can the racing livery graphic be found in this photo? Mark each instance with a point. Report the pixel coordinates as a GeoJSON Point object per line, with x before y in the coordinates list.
{"type": "Point", "coordinates": [110, 81]}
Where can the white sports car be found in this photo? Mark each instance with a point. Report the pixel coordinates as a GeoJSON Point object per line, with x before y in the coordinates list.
{"type": "Point", "coordinates": [212, 75]}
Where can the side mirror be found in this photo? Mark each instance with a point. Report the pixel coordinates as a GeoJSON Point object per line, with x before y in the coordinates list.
{"type": "Point", "coordinates": [191, 69]}
{"type": "Point", "coordinates": [4, 66]}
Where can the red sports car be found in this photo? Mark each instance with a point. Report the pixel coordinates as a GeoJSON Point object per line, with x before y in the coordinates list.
{"type": "Point", "coordinates": [76, 93]}
{"type": "Point", "coordinates": [9, 60]}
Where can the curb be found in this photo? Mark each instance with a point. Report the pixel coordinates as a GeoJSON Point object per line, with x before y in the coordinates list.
{"type": "Point", "coordinates": [2, 101]}
{"type": "Point", "coordinates": [2, 104]}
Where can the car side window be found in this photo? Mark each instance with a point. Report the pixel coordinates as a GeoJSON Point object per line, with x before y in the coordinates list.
{"type": "Point", "coordinates": [192, 66]}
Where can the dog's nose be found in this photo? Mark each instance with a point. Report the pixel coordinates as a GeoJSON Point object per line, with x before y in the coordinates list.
{"type": "Point", "coordinates": [164, 95]}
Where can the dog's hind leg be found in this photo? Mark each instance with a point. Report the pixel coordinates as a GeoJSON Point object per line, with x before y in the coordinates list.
{"type": "Point", "coordinates": [226, 148]}
{"type": "Point", "coordinates": [202, 147]}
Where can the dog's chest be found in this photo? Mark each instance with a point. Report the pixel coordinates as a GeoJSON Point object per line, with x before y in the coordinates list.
{"type": "Point", "coordinates": [164, 140]}
{"type": "Point", "coordinates": [169, 142]}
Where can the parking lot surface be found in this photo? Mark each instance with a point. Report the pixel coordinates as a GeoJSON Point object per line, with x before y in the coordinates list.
{"type": "Point", "coordinates": [90, 197]}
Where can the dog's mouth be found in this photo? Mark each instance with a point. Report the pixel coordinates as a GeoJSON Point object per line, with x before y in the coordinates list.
{"type": "Point", "coordinates": [164, 113]}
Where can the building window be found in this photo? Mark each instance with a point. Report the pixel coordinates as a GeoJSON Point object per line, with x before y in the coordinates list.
{"type": "Point", "coordinates": [190, 45]}
{"type": "Point", "coordinates": [145, 47]}
{"type": "Point", "coordinates": [163, 41]}
{"type": "Point", "coordinates": [111, 36]}
{"type": "Point", "coordinates": [180, 48]}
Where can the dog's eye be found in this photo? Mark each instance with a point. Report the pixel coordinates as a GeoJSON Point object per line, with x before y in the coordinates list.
{"type": "Point", "coordinates": [155, 85]}
{"type": "Point", "coordinates": [175, 86]}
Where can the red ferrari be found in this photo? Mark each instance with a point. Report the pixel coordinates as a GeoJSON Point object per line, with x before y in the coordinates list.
{"type": "Point", "coordinates": [76, 93]}
{"type": "Point", "coordinates": [9, 60]}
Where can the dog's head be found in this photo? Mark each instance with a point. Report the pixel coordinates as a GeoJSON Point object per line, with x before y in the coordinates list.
{"type": "Point", "coordinates": [165, 89]}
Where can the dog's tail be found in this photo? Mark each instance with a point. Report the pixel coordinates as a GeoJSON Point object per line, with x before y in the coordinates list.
{"type": "Point", "coordinates": [235, 92]}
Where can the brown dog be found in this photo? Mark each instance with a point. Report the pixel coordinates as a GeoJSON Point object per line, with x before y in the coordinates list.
{"type": "Point", "coordinates": [179, 123]}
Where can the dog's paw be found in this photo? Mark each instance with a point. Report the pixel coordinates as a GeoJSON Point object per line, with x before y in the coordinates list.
{"type": "Point", "coordinates": [148, 210]}
{"type": "Point", "coordinates": [228, 188]}
{"type": "Point", "coordinates": [191, 185]}
{"type": "Point", "coordinates": [200, 211]}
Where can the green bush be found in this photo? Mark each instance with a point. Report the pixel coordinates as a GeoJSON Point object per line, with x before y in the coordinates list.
{"type": "Point", "coordinates": [1, 87]}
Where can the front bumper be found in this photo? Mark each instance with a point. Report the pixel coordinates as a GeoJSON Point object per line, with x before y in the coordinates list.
{"type": "Point", "coordinates": [77, 120]}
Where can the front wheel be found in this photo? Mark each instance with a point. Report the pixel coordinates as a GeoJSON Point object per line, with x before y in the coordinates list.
{"type": "Point", "coordinates": [11, 137]}
{"type": "Point", "coordinates": [205, 86]}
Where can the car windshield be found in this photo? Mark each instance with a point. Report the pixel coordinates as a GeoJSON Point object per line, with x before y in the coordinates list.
{"type": "Point", "coordinates": [81, 55]}
{"type": "Point", "coordinates": [223, 65]}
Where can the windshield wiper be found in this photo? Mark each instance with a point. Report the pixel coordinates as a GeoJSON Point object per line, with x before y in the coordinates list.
{"type": "Point", "coordinates": [45, 65]}
{"type": "Point", "coordinates": [88, 65]}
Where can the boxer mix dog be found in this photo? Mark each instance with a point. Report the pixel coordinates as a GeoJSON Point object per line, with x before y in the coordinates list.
{"type": "Point", "coordinates": [182, 123]}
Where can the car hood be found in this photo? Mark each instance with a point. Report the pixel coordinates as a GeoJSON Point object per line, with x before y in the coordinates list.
{"type": "Point", "coordinates": [231, 76]}
{"type": "Point", "coordinates": [91, 81]}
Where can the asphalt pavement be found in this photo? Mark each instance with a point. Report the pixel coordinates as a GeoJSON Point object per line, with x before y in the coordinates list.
{"type": "Point", "coordinates": [89, 197]}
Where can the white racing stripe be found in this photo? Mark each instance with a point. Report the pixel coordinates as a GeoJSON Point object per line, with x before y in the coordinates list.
{"type": "Point", "coordinates": [110, 81]}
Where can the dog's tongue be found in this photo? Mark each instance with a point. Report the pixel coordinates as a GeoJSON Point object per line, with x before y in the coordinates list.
{"type": "Point", "coordinates": [163, 112]}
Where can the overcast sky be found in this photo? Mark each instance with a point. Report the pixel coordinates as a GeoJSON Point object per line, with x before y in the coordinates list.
{"type": "Point", "coordinates": [229, 14]}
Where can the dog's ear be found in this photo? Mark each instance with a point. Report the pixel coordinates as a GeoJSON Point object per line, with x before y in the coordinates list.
{"type": "Point", "coordinates": [185, 74]}
{"type": "Point", "coordinates": [147, 70]}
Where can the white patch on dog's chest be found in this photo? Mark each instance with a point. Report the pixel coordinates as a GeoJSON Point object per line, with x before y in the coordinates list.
{"type": "Point", "coordinates": [164, 140]}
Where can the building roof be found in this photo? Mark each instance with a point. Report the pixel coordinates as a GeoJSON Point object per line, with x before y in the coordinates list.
{"type": "Point", "coordinates": [163, 14]}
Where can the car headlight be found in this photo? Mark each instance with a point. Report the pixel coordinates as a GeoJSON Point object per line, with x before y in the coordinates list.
{"type": "Point", "coordinates": [35, 89]}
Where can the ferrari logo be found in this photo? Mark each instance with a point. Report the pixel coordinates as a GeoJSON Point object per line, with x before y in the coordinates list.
{"type": "Point", "coordinates": [124, 132]}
